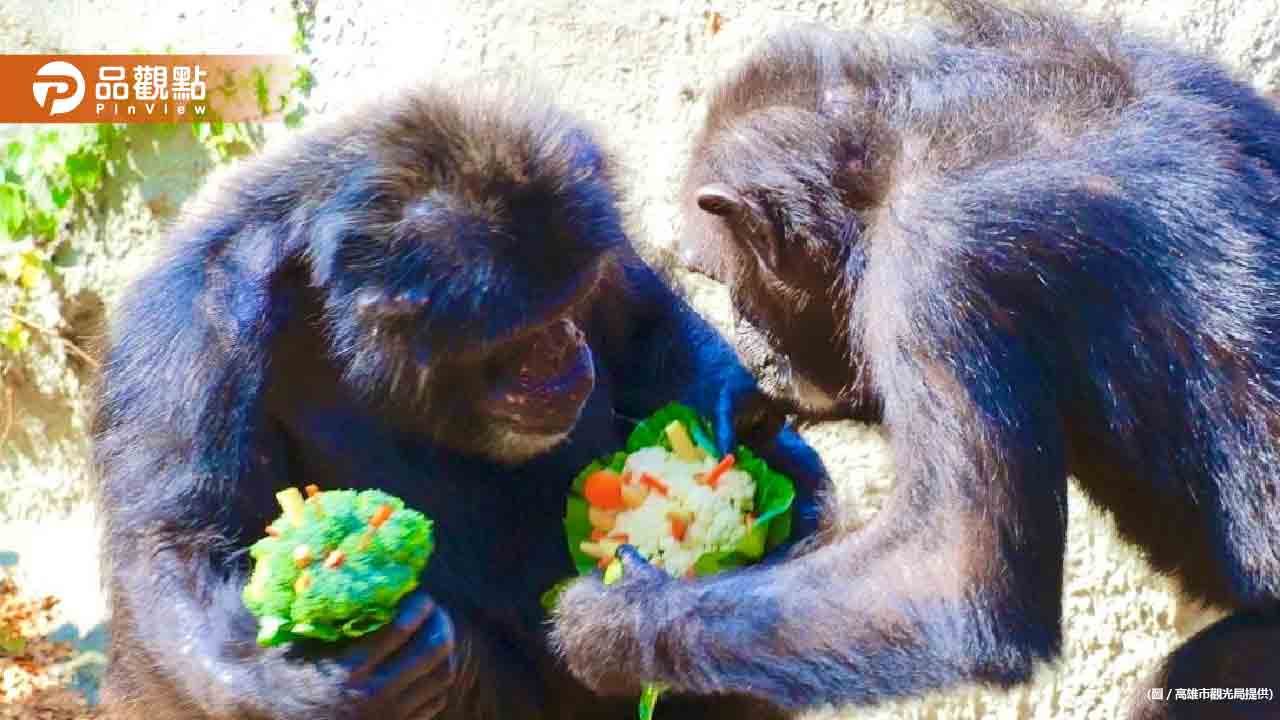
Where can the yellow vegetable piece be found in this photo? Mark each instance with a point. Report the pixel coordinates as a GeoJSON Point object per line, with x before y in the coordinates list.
{"type": "Point", "coordinates": [291, 502]}
{"type": "Point", "coordinates": [32, 273]}
{"type": "Point", "coordinates": [681, 444]}
{"type": "Point", "coordinates": [602, 519]}
{"type": "Point", "coordinates": [634, 494]}
{"type": "Point", "coordinates": [613, 573]}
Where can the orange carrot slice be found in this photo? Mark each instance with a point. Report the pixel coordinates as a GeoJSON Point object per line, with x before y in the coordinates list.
{"type": "Point", "coordinates": [312, 490]}
{"type": "Point", "coordinates": [679, 526]}
{"type": "Point", "coordinates": [603, 489]}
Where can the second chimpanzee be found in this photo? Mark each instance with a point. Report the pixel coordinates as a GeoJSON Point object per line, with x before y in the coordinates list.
{"type": "Point", "coordinates": [1036, 247]}
{"type": "Point", "coordinates": [436, 298]}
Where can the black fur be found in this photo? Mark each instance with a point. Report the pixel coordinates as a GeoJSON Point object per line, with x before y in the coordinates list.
{"type": "Point", "coordinates": [347, 314]}
{"type": "Point", "coordinates": [1036, 247]}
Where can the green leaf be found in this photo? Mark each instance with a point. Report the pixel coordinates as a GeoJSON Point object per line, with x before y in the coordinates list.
{"type": "Point", "coordinates": [60, 194]}
{"type": "Point", "coordinates": [85, 170]}
{"type": "Point", "coordinates": [649, 699]}
{"type": "Point", "coordinates": [775, 495]}
{"type": "Point", "coordinates": [13, 151]}
{"type": "Point", "coordinates": [262, 91]}
{"type": "Point", "coordinates": [549, 598]}
{"type": "Point", "coordinates": [303, 80]}
{"type": "Point", "coordinates": [293, 118]}
{"type": "Point", "coordinates": [43, 225]}
{"type": "Point", "coordinates": [16, 337]}
{"type": "Point", "coordinates": [651, 431]}
{"type": "Point", "coordinates": [577, 528]}
{"type": "Point", "coordinates": [13, 208]}
{"type": "Point", "coordinates": [108, 134]}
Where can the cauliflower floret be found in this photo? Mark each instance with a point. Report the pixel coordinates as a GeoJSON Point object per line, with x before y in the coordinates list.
{"type": "Point", "coordinates": [711, 519]}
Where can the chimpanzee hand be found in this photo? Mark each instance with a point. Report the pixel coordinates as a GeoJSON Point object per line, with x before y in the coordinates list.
{"type": "Point", "coordinates": [745, 415]}
{"type": "Point", "coordinates": [406, 669]}
{"type": "Point", "coordinates": [606, 635]}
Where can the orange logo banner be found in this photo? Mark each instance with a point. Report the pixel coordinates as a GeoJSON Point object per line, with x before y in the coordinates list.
{"type": "Point", "coordinates": [143, 88]}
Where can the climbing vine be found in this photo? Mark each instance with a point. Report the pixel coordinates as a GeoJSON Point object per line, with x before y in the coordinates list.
{"type": "Point", "coordinates": [52, 182]}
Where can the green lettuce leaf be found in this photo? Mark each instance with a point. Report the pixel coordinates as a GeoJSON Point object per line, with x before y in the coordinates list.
{"type": "Point", "coordinates": [775, 495]}
{"type": "Point", "coordinates": [651, 431]}
{"type": "Point", "coordinates": [649, 700]}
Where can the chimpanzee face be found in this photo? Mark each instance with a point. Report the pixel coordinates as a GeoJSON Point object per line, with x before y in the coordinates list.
{"type": "Point", "coordinates": [460, 312]}
{"type": "Point", "coordinates": [787, 294]}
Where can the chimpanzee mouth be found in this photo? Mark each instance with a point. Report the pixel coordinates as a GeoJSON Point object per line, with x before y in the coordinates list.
{"type": "Point", "coordinates": [542, 381]}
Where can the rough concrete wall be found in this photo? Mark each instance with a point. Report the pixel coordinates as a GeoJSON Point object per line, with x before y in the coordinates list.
{"type": "Point", "coordinates": [639, 70]}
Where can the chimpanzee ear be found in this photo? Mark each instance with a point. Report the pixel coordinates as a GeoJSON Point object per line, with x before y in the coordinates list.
{"type": "Point", "coordinates": [719, 199]}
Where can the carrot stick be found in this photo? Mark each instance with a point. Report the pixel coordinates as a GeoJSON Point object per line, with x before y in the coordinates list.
{"type": "Point", "coordinates": [678, 528]}
{"type": "Point", "coordinates": [713, 478]}
{"type": "Point", "coordinates": [380, 515]}
{"type": "Point", "coordinates": [654, 483]}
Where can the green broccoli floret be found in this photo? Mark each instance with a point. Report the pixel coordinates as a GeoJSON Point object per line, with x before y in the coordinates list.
{"type": "Point", "coordinates": [335, 565]}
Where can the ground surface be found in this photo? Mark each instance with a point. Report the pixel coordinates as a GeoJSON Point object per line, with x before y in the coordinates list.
{"type": "Point", "coordinates": [638, 70]}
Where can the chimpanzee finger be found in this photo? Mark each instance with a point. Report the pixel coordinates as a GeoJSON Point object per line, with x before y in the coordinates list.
{"type": "Point", "coordinates": [758, 419]}
{"type": "Point", "coordinates": [726, 437]}
{"type": "Point", "coordinates": [363, 657]}
{"type": "Point", "coordinates": [426, 697]}
{"type": "Point", "coordinates": [430, 650]}
{"type": "Point", "coordinates": [636, 568]}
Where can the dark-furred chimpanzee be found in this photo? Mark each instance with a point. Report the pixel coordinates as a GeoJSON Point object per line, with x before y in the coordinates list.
{"type": "Point", "coordinates": [1036, 247]}
{"type": "Point", "coordinates": [436, 298]}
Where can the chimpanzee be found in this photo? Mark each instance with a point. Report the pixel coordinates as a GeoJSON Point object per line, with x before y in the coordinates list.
{"type": "Point", "coordinates": [1034, 247]}
{"type": "Point", "coordinates": [434, 297]}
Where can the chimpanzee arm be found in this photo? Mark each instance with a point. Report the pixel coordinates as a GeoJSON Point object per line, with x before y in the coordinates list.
{"type": "Point", "coordinates": [957, 579]}
{"type": "Point", "coordinates": [662, 351]}
{"type": "Point", "coordinates": [666, 352]}
{"type": "Point", "coordinates": [188, 460]}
